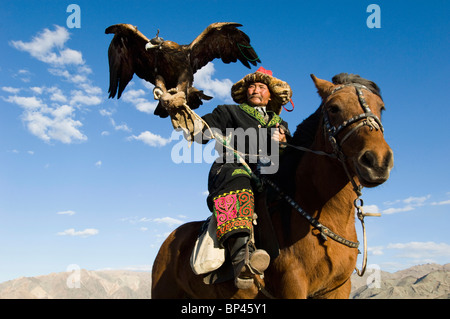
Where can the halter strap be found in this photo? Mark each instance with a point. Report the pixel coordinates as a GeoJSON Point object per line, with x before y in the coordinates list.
{"type": "Point", "coordinates": [370, 119]}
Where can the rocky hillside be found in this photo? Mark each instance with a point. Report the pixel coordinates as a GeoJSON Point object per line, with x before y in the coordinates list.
{"type": "Point", "coordinates": [424, 281]}
{"type": "Point", "coordinates": [86, 284]}
{"type": "Point", "coordinates": [428, 281]}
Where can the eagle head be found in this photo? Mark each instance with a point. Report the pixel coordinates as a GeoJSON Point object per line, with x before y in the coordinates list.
{"type": "Point", "coordinates": [155, 42]}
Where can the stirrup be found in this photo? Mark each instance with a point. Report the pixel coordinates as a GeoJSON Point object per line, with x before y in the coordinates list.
{"type": "Point", "coordinates": [259, 261]}
{"type": "Point", "coordinates": [247, 261]}
{"type": "Point", "coordinates": [255, 264]}
{"type": "Point", "coordinates": [243, 283]}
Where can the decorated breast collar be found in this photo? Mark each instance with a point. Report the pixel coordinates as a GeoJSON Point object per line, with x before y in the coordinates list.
{"type": "Point", "coordinates": [258, 116]}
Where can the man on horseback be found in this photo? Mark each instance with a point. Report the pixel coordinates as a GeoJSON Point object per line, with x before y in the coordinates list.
{"type": "Point", "coordinates": [249, 128]}
{"type": "Point", "coordinates": [231, 191]}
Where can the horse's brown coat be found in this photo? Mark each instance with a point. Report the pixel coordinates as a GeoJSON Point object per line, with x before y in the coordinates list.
{"type": "Point", "coordinates": [307, 267]}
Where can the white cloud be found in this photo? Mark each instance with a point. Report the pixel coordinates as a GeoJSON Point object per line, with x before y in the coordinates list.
{"type": "Point", "coordinates": [66, 212]}
{"type": "Point", "coordinates": [81, 98]}
{"type": "Point", "coordinates": [37, 89]}
{"type": "Point", "coordinates": [119, 127]}
{"type": "Point", "coordinates": [409, 204]}
{"type": "Point", "coordinates": [104, 112]}
{"type": "Point", "coordinates": [53, 123]}
{"type": "Point", "coordinates": [50, 112]}
{"type": "Point", "coordinates": [444, 202]}
{"type": "Point", "coordinates": [57, 95]}
{"type": "Point", "coordinates": [398, 210]}
{"type": "Point", "coordinates": [48, 47]}
{"type": "Point", "coordinates": [168, 221]}
{"type": "Point", "coordinates": [135, 219]}
{"type": "Point", "coordinates": [395, 256]}
{"type": "Point", "coordinates": [136, 98]}
{"type": "Point", "coordinates": [83, 233]}
{"type": "Point", "coordinates": [416, 201]}
{"type": "Point", "coordinates": [421, 250]}
{"type": "Point", "coordinates": [150, 139]}
{"type": "Point", "coordinates": [98, 163]}
{"type": "Point", "coordinates": [11, 89]}
{"type": "Point", "coordinates": [217, 88]}
{"type": "Point", "coordinates": [376, 250]}
{"type": "Point", "coordinates": [23, 75]}
{"type": "Point", "coordinates": [29, 103]}
{"type": "Point", "coordinates": [78, 76]}
{"type": "Point", "coordinates": [147, 85]}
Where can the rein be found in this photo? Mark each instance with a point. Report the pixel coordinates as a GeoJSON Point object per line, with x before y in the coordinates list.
{"type": "Point", "coordinates": [369, 119]}
{"type": "Point", "coordinates": [325, 232]}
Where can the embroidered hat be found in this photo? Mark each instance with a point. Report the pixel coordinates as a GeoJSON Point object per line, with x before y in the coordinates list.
{"type": "Point", "coordinates": [280, 91]}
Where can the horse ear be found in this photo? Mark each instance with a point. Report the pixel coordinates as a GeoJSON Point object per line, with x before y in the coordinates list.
{"type": "Point", "coordinates": [323, 86]}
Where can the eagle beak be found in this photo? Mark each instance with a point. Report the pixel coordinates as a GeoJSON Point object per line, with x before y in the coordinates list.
{"type": "Point", "coordinates": [149, 46]}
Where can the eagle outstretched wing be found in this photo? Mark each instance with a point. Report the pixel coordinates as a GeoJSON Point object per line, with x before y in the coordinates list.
{"type": "Point", "coordinates": [127, 55]}
{"type": "Point", "coordinates": [170, 66]}
{"type": "Point", "coordinates": [225, 41]}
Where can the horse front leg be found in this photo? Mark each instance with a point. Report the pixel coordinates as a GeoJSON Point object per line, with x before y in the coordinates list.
{"type": "Point", "coordinates": [342, 292]}
{"type": "Point", "coordinates": [285, 283]}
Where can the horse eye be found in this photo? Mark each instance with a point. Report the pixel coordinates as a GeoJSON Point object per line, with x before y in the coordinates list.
{"type": "Point", "coordinates": [334, 109]}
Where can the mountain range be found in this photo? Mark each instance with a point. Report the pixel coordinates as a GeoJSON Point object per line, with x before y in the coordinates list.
{"type": "Point", "coordinates": [429, 281]}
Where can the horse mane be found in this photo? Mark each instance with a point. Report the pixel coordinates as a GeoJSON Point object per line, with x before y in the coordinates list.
{"type": "Point", "coordinates": [304, 136]}
{"type": "Point", "coordinates": [346, 78]}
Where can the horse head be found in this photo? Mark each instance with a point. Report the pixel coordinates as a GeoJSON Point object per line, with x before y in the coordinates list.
{"type": "Point", "coordinates": [351, 111]}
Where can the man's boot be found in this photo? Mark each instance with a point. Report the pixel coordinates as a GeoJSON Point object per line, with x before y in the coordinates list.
{"type": "Point", "coordinates": [246, 260]}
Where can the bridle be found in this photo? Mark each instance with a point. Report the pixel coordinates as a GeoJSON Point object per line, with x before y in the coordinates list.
{"type": "Point", "coordinates": [367, 118]}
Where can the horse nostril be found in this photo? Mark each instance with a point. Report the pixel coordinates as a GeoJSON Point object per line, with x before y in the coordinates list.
{"type": "Point", "coordinates": [389, 160]}
{"type": "Point", "coordinates": [368, 159]}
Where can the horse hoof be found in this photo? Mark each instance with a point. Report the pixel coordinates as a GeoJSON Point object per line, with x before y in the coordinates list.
{"type": "Point", "coordinates": [243, 283]}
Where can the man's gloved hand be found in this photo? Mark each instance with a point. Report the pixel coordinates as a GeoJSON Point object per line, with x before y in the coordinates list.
{"type": "Point", "coordinates": [172, 101]}
{"type": "Point", "coordinates": [181, 117]}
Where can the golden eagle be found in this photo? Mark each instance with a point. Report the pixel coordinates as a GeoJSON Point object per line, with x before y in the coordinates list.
{"type": "Point", "coordinates": [169, 65]}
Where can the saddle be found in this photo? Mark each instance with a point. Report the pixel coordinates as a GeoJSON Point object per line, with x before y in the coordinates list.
{"type": "Point", "coordinates": [212, 261]}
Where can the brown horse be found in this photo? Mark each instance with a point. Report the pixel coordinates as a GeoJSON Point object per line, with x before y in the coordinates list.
{"type": "Point", "coordinates": [346, 124]}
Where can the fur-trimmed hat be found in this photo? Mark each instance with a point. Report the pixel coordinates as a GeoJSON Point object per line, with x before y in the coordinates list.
{"type": "Point", "coordinates": [280, 91]}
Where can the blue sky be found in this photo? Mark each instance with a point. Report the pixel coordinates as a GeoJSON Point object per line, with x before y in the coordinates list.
{"type": "Point", "coordinates": [91, 181]}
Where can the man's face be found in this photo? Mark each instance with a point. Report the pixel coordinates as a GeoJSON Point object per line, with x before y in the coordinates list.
{"type": "Point", "coordinates": [258, 94]}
